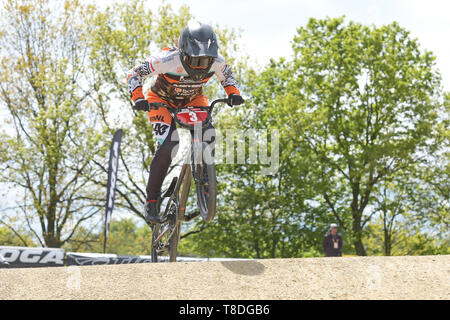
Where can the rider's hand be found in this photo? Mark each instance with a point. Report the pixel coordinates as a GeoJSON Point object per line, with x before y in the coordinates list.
{"type": "Point", "coordinates": [235, 100]}
{"type": "Point", "coordinates": [141, 104]}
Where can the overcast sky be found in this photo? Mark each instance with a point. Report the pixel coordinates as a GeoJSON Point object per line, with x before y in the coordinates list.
{"type": "Point", "coordinates": [268, 26]}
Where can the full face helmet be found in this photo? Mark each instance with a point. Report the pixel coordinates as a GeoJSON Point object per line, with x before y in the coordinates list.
{"type": "Point", "coordinates": [198, 47]}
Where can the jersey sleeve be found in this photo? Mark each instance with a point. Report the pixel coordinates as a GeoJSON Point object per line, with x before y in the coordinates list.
{"type": "Point", "coordinates": [225, 76]}
{"type": "Point", "coordinates": [135, 77]}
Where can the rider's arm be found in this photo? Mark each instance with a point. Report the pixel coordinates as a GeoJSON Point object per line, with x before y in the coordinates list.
{"type": "Point", "coordinates": [144, 70]}
{"type": "Point", "coordinates": [225, 76]}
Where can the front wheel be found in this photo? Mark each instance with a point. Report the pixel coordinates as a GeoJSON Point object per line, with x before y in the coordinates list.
{"type": "Point", "coordinates": [165, 237]}
{"type": "Point", "coordinates": [206, 185]}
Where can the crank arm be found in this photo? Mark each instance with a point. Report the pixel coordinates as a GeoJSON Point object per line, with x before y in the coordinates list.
{"type": "Point", "coordinates": [191, 216]}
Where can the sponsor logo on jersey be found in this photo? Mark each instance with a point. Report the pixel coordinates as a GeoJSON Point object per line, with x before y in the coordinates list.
{"type": "Point", "coordinates": [158, 118]}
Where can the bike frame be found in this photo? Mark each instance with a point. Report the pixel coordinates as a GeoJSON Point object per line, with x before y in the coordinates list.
{"type": "Point", "coordinates": [181, 192]}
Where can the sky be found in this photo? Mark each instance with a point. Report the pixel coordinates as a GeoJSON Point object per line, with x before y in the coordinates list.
{"type": "Point", "coordinates": [268, 26]}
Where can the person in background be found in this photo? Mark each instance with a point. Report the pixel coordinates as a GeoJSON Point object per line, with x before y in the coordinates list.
{"type": "Point", "coordinates": [332, 242]}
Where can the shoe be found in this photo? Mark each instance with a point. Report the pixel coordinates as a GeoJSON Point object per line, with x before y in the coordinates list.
{"type": "Point", "coordinates": [151, 213]}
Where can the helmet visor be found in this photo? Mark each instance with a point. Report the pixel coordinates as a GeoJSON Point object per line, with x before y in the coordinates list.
{"type": "Point", "coordinates": [199, 62]}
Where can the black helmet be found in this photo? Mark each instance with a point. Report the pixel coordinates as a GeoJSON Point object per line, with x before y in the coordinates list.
{"type": "Point", "coordinates": [198, 48]}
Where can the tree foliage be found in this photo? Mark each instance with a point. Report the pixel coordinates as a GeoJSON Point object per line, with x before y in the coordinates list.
{"type": "Point", "coordinates": [51, 136]}
{"type": "Point", "coordinates": [361, 123]}
{"type": "Point", "coordinates": [12, 237]}
{"type": "Point", "coordinates": [120, 37]}
{"type": "Point", "coordinates": [64, 84]}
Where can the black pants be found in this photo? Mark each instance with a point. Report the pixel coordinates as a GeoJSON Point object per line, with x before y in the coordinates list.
{"type": "Point", "coordinates": [163, 158]}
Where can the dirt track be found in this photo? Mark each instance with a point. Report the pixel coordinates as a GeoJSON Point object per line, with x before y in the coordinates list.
{"type": "Point", "coordinates": [319, 278]}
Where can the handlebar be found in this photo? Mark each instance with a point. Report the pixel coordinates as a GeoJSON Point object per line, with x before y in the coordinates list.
{"type": "Point", "coordinates": [175, 110]}
{"type": "Point", "coordinates": [157, 105]}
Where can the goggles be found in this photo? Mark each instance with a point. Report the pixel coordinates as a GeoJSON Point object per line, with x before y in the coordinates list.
{"type": "Point", "coordinates": [199, 62]}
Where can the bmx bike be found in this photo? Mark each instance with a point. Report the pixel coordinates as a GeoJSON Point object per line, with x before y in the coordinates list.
{"type": "Point", "coordinates": [199, 166]}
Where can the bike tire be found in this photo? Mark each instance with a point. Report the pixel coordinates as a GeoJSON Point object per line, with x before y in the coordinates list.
{"type": "Point", "coordinates": [207, 194]}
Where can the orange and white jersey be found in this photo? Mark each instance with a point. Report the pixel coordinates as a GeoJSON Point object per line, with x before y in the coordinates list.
{"type": "Point", "coordinates": [173, 83]}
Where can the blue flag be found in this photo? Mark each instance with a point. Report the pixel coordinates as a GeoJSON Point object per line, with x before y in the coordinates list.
{"type": "Point", "coordinates": [112, 178]}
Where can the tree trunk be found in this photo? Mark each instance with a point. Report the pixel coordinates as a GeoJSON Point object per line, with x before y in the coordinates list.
{"type": "Point", "coordinates": [387, 243]}
{"type": "Point", "coordinates": [357, 232]}
{"type": "Point", "coordinates": [52, 240]}
{"type": "Point", "coordinates": [357, 214]}
{"type": "Point", "coordinates": [359, 247]}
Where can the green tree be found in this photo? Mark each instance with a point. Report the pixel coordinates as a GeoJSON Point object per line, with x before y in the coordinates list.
{"type": "Point", "coordinates": [414, 202]}
{"type": "Point", "coordinates": [66, 96]}
{"type": "Point", "coordinates": [121, 36]}
{"type": "Point", "coordinates": [366, 105]}
{"type": "Point", "coordinates": [128, 239]}
{"type": "Point", "coordinates": [404, 241]}
{"type": "Point", "coordinates": [356, 106]}
{"type": "Point", "coordinates": [125, 237]}
{"type": "Point", "coordinates": [49, 120]}
{"type": "Point", "coordinates": [12, 237]}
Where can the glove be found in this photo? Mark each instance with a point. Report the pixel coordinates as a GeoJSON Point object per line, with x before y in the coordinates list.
{"type": "Point", "coordinates": [235, 100]}
{"type": "Point", "coordinates": [141, 104]}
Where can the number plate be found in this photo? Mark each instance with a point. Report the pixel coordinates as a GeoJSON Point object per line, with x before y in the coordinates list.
{"type": "Point", "coordinates": [192, 116]}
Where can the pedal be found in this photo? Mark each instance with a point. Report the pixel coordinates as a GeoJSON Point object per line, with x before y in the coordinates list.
{"type": "Point", "coordinates": [191, 216]}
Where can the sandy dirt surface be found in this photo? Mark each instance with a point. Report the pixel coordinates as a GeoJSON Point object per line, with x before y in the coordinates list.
{"type": "Point", "coordinates": [318, 278]}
